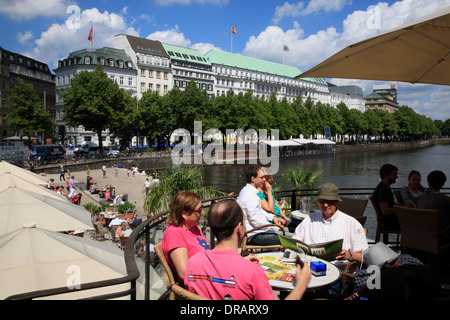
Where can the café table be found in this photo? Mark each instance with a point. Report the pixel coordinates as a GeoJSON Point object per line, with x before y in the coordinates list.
{"type": "Point", "coordinates": [332, 274]}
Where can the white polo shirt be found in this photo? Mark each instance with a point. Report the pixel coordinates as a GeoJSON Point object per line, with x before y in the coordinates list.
{"type": "Point", "coordinates": [255, 216]}
{"type": "Point", "coordinates": [315, 229]}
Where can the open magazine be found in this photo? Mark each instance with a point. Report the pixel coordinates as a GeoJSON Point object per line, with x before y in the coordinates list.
{"type": "Point", "coordinates": [275, 269]}
{"type": "Point", "coordinates": [326, 251]}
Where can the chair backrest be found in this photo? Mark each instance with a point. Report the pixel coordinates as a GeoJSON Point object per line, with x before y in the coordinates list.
{"type": "Point", "coordinates": [170, 280]}
{"type": "Point", "coordinates": [419, 227]}
{"type": "Point", "coordinates": [245, 247]}
{"type": "Point", "coordinates": [353, 207]}
{"type": "Point", "coordinates": [376, 208]}
{"type": "Point", "coordinates": [123, 241]}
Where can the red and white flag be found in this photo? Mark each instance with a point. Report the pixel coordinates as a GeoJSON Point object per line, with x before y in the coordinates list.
{"type": "Point", "coordinates": [90, 35]}
{"type": "Point", "coordinates": [233, 30]}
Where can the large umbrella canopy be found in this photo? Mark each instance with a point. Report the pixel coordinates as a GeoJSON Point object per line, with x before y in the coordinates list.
{"type": "Point", "coordinates": [417, 52]}
{"type": "Point", "coordinates": [8, 168]}
{"type": "Point", "coordinates": [19, 206]}
{"type": "Point", "coordinates": [36, 259]}
{"type": "Point", "coordinates": [9, 180]}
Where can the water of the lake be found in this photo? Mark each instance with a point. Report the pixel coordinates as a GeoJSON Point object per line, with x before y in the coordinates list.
{"type": "Point", "coordinates": [349, 170]}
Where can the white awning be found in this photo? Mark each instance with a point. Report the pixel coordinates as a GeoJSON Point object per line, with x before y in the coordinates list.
{"type": "Point", "coordinates": [281, 143]}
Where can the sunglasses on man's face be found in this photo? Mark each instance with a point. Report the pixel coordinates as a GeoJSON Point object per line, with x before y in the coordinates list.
{"type": "Point", "coordinates": [329, 202]}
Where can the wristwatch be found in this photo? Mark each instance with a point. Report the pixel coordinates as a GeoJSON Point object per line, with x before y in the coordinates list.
{"type": "Point", "coordinates": [350, 258]}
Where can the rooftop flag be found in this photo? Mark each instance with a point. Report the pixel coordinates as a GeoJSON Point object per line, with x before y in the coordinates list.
{"type": "Point", "coordinates": [90, 35]}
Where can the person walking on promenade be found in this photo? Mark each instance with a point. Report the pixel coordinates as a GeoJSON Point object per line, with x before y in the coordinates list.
{"type": "Point", "coordinates": [104, 171]}
{"type": "Point", "coordinates": [62, 173]}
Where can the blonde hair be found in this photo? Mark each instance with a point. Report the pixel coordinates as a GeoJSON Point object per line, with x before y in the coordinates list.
{"type": "Point", "coordinates": [183, 201]}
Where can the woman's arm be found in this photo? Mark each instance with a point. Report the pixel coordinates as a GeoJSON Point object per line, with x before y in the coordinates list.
{"type": "Point", "coordinates": [179, 257]}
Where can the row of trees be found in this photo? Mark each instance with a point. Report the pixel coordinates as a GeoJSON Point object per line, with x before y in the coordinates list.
{"type": "Point", "coordinates": [97, 103]}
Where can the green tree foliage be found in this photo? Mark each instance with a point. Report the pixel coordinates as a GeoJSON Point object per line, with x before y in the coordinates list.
{"type": "Point", "coordinates": [173, 181]}
{"type": "Point", "coordinates": [95, 102]}
{"type": "Point", "coordinates": [26, 113]}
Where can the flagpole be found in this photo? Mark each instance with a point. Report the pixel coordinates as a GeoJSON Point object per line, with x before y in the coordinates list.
{"type": "Point", "coordinates": [231, 33]}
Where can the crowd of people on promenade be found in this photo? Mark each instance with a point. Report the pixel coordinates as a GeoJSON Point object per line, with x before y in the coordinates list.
{"type": "Point", "coordinates": [189, 253]}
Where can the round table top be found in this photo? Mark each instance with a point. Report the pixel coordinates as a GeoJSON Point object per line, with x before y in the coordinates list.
{"type": "Point", "coordinates": [332, 273]}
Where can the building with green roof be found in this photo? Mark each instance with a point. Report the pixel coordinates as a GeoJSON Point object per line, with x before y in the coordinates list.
{"type": "Point", "coordinates": [241, 73]}
{"type": "Point", "coordinates": [189, 64]}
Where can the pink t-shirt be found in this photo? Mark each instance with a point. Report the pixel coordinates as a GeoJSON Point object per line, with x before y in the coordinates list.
{"type": "Point", "coordinates": [225, 275]}
{"type": "Point", "coordinates": [175, 237]}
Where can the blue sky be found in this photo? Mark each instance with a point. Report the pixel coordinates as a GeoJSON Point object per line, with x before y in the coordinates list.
{"type": "Point", "coordinates": [48, 30]}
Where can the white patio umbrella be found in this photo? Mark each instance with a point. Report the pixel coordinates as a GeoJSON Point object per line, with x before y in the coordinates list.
{"type": "Point", "coordinates": [35, 259]}
{"type": "Point", "coordinates": [19, 206]}
{"type": "Point", "coordinates": [417, 52]}
{"type": "Point", "coordinates": [8, 180]}
{"type": "Point", "coordinates": [8, 168]}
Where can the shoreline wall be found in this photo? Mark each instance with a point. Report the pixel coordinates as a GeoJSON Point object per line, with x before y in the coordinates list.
{"type": "Point", "coordinates": [370, 147]}
{"type": "Point", "coordinates": [160, 163]}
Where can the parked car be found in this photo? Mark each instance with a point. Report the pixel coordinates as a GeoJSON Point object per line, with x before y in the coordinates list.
{"type": "Point", "coordinates": [86, 149]}
{"type": "Point", "coordinates": [111, 152]}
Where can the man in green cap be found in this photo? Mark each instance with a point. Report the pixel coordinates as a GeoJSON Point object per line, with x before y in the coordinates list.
{"type": "Point", "coordinates": [331, 224]}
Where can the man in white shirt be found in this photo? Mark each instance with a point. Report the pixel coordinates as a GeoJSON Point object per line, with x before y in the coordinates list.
{"type": "Point", "coordinates": [331, 224]}
{"type": "Point", "coordinates": [255, 216]}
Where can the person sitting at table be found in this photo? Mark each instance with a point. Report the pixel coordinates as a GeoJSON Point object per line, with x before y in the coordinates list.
{"type": "Point", "coordinates": [238, 278]}
{"type": "Point", "coordinates": [413, 190]}
{"type": "Point", "coordinates": [434, 199]}
{"type": "Point", "coordinates": [121, 229]}
{"type": "Point", "coordinates": [268, 202]}
{"type": "Point", "coordinates": [255, 216]}
{"type": "Point", "coordinates": [332, 224]}
{"type": "Point", "coordinates": [115, 222]}
{"type": "Point", "coordinates": [182, 238]}
{"type": "Point", "coordinates": [383, 197]}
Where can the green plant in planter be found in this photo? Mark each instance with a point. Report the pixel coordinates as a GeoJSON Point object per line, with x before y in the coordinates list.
{"type": "Point", "coordinates": [126, 207]}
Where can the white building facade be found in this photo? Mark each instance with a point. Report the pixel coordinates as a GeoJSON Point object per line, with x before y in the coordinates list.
{"type": "Point", "coordinates": [154, 71]}
{"type": "Point", "coordinates": [116, 64]}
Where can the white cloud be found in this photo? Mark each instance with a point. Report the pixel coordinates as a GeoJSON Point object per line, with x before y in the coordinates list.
{"type": "Point", "coordinates": [287, 10]}
{"type": "Point", "coordinates": [204, 48]}
{"type": "Point", "coordinates": [298, 9]}
{"type": "Point", "coordinates": [303, 52]}
{"type": "Point", "coordinates": [23, 38]}
{"type": "Point", "coordinates": [189, 2]}
{"type": "Point", "coordinates": [29, 9]}
{"type": "Point", "coordinates": [175, 37]}
{"type": "Point", "coordinates": [324, 5]}
{"type": "Point", "coordinates": [59, 40]}
{"type": "Point", "coordinates": [171, 36]}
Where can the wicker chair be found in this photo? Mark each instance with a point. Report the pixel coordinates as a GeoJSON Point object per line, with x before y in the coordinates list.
{"type": "Point", "coordinates": [168, 278]}
{"type": "Point", "coordinates": [183, 294]}
{"type": "Point", "coordinates": [246, 248]}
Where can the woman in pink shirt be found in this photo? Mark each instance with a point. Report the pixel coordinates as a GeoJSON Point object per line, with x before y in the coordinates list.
{"type": "Point", "coordinates": [182, 238]}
